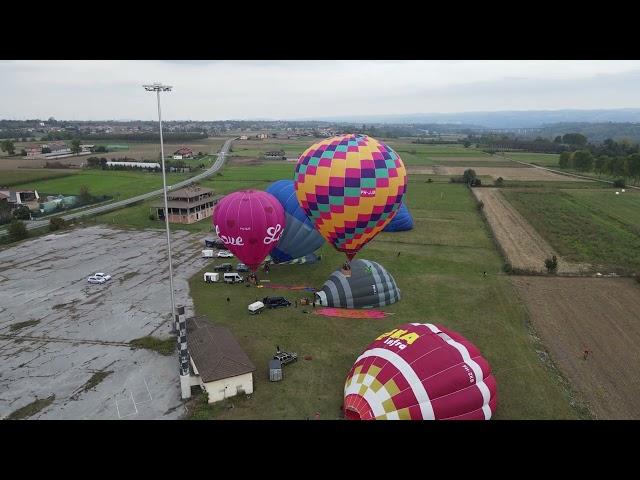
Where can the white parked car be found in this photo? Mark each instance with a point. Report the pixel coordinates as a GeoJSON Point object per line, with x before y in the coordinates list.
{"type": "Point", "coordinates": [96, 279]}
{"type": "Point", "coordinates": [225, 254]}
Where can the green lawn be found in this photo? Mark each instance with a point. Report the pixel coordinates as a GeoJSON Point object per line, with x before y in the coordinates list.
{"type": "Point", "coordinates": [439, 271]}
{"type": "Point", "coordinates": [595, 226]}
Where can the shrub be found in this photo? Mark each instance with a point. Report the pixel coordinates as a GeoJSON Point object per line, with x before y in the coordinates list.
{"type": "Point", "coordinates": [152, 216]}
{"type": "Point", "coordinates": [619, 183]}
{"type": "Point", "coordinates": [551, 264]}
{"type": "Point", "coordinates": [499, 182]}
{"type": "Point", "coordinates": [56, 223]}
{"type": "Point", "coordinates": [480, 205]}
{"type": "Point", "coordinates": [507, 268]}
{"type": "Point", "coordinates": [22, 213]}
{"type": "Point", "coordinates": [429, 180]}
{"type": "Point", "coordinates": [17, 230]}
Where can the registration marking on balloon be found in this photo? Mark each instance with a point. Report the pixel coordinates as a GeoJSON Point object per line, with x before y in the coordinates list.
{"type": "Point", "coordinates": [419, 372]}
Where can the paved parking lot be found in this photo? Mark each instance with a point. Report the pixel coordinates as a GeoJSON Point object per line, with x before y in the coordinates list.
{"type": "Point", "coordinates": [76, 329]}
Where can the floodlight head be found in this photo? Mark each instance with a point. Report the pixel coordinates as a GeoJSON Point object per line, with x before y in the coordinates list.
{"type": "Point", "coordinates": [157, 87]}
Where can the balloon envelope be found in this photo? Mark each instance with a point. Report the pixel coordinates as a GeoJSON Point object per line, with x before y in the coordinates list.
{"type": "Point", "coordinates": [300, 237]}
{"type": "Point", "coordinates": [369, 285]}
{"type": "Point", "coordinates": [420, 372]}
{"type": "Point", "coordinates": [249, 223]}
{"type": "Point", "coordinates": [401, 222]}
{"type": "Point", "coordinates": [350, 186]}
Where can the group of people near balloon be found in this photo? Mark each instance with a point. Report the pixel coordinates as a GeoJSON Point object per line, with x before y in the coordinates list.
{"type": "Point", "coordinates": [345, 191]}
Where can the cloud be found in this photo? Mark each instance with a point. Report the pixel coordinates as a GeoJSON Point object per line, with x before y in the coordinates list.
{"type": "Point", "coordinates": [215, 90]}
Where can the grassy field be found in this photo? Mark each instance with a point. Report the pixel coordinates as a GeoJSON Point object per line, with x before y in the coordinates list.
{"type": "Point", "coordinates": [421, 154]}
{"type": "Point", "coordinates": [257, 148]}
{"type": "Point", "coordinates": [233, 178]}
{"type": "Point", "coordinates": [593, 226]}
{"type": "Point", "coordinates": [9, 178]}
{"type": "Point", "coordinates": [119, 184]}
{"type": "Point", "coordinates": [542, 159]}
{"type": "Point", "coordinates": [151, 150]}
{"type": "Point", "coordinates": [439, 271]}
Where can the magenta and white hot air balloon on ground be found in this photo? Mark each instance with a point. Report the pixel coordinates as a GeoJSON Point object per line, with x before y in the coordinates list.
{"type": "Point", "coordinates": [420, 371]}
{"type": "Point", "coordinates": [249, 223]}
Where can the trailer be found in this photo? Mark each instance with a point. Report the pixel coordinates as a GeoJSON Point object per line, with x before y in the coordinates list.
{"type": "Point", "coordinates": [208, 253]}
{"type": "Point", "coordinates": [210, 277]}
{"type": "Point", "coordinates": [256, 308]}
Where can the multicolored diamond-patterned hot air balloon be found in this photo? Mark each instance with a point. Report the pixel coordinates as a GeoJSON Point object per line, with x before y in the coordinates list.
{"type": "Point", "coordinates": [350, 186]}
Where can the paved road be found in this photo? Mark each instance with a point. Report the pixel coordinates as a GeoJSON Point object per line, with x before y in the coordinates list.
{"type": "Point", "coordinates": [222, 155]}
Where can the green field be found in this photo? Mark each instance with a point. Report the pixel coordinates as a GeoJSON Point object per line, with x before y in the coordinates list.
{"type": "Point", "coordinates": [439, 271]}
{"type": "Point", "coordinates": [595, 226]}
{"type": "Point", "coordinates": [9, 178]}
{"type": "Point", "coordinates": [233, 178]}
{"type": "Point", "coordinates": [542, 159]}
{"type": "Point", "coordinates": [257, 148]}
{"type": "Point", "coordinates": [421, 154]}
{"type": "Point", "coordinates": [119, 184]}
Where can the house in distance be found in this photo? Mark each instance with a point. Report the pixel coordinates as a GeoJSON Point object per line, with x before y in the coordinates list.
{"type": "Point", "coordinates": [187, 205]}
{"type": "Point", "coordinates": [182, 153]}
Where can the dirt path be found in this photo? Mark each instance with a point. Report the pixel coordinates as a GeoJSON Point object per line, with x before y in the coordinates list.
{"type": "Point", "coordinates": [524, 248]}
{"type": "Point", "coordinates": [601, 316]}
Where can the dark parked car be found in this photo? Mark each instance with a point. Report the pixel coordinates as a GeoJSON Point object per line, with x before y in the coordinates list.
{"type": "Point", "coordinates": [241, 267]}
{"type": "Point", "coordinates": [275, 302]}
{"type": "Point", "coordinates": [225, 267]}
{"type": "Point", "coordinates": [219, 244]}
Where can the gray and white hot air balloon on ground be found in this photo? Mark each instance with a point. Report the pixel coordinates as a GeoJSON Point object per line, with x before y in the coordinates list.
{"type": "Point", "coordinates": [369, 286]}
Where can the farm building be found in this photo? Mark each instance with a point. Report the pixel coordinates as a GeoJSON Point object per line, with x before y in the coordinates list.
{"type": "Point", "coordinates": [56, 147]}
{"type": "Point", "coordinates": [184, 152]}
{"type": "Point", "coordinates": [133, 164]}
{"type": "Point", "coordinates": [17, 198]}
{"type": "Point", "coordinates": [34, 151]}
{"type": "Point", "coordinates": [187, 205]}
{"type": "Point", "coordinates": [218, 364]}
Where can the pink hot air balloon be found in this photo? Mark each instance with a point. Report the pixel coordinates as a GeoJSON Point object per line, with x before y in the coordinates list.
{"type": "Point", "coordinates": [250, 223]}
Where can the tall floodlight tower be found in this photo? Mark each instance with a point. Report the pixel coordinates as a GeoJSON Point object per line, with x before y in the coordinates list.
{"type": "Point", "coordinates": [176, 316]}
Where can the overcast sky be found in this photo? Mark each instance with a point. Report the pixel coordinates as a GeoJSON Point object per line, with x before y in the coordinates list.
{"type": "Point", "coordinates": [218, 90]}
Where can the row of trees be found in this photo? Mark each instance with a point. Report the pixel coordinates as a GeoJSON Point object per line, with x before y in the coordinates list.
{"type": "Point", "coordinates": [618, 166]}
{"type": "Point", "coordinates": [559, 144]}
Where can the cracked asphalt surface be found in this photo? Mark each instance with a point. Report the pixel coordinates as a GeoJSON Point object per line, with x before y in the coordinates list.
{"type": "Point", "coordinates": [74, 329]}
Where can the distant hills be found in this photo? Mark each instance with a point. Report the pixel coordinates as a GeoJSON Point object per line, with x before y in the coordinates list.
{"type": "Point", "coordinates": [500, 120]}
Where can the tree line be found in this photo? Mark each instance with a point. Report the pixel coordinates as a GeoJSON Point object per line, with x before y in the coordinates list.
{"type": "Point", "coordinates": [610, 158]}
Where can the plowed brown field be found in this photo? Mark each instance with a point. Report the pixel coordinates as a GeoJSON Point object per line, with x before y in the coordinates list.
{"type": "Point", "coordinates": [601, 316]}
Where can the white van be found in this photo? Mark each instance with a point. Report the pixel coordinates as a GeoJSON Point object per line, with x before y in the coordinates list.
{"type": "Point", "coordinates": [210, 277]}
{"type": "Point", "coordinates": [207, 254]}
{"type": "Point", "coordinates": [233, 278]}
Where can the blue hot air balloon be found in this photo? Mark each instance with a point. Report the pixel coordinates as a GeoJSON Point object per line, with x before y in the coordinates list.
{"type": "Point", "coordinates": [300, 237]}
{"type": "Point", "coordinates": [401, 222]}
